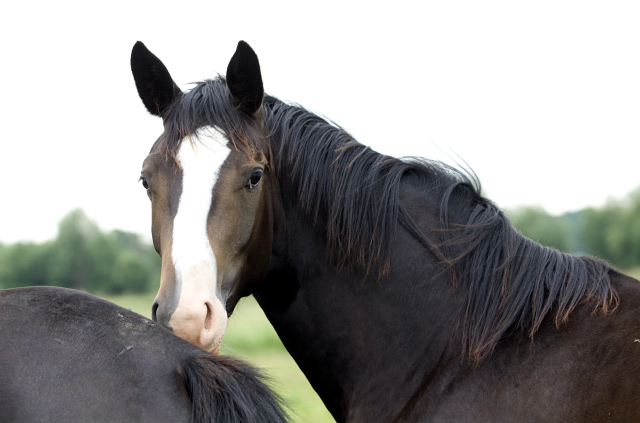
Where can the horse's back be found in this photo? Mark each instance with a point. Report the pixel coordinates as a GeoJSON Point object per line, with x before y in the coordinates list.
{"type": "Point", "coordinates": [616, 352]}
{"type": "Point", "coordinates": [587, 368]}
{"type": "Point", "coordinates": [70, 357]}
{"type": "Point", "coordinates": [584, 371]}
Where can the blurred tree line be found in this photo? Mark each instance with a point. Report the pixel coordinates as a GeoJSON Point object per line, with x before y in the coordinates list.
{"type": "Point", "coordinates": [611, 232]}
{"type": "Point", "coordinates": [82, 257]}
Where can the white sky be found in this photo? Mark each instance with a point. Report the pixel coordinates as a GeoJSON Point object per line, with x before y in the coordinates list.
{"type": "Point", "coordinates": [541, 99]}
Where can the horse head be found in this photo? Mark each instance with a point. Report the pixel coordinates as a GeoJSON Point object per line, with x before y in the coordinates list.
{"type": "Point", "coordinates": [208, 177]}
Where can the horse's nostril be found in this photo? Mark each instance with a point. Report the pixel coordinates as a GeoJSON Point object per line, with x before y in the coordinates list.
{"type": "Point", "coordinates": [154, 308]}
{"type": "Point", "coordinates": [209, 316]}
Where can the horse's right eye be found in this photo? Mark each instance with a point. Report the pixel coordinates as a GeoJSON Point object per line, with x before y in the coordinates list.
{"type": "Point", "coordinates": [144, 182]}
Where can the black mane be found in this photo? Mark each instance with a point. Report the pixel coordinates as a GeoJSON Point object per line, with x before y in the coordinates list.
{"type": "Point", "coordinates": [353, 193]}
{"type": "Point", "coordinates": [350, 189]}
{"type": "Point", "coordinates": [509, 282]}
{"type": "Point", "coordinates": [223, 389]}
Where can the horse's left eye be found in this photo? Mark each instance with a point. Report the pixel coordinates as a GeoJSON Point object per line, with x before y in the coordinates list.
{"type": "Point", "coordinates": [254, 180]}
{"type": "Point", "coordinates": [144, 182]}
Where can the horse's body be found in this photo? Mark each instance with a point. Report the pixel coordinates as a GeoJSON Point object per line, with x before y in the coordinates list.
{"type": "Point", "coordinates": [66, 356]}
{"type": "Point", "coordinates": [393, 349]}
{"type": "Point", "coordinates": [402, 293]}
{"type": "Point", "coordinates": [374, 352]}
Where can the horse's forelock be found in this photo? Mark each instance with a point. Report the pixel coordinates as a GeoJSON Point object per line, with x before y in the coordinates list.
{"type": "Point", "coordinates": [207, 104]}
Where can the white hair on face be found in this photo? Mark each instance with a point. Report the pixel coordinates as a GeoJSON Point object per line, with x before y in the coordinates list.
{"type": "Point", "coordinates": [195, 265]}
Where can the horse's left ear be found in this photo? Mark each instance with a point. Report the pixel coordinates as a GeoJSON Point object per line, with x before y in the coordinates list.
{"type": "Point", "coordinates": [245, 80]}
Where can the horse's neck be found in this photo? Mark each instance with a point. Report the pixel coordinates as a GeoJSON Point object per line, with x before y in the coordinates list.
{"type": "Point", "coordinates": [354, 338]}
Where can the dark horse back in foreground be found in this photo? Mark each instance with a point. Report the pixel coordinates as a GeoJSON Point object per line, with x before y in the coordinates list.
{"type": "Point", "coordinates": [401, 292]}
{"type": "Point", "coordinates": [66, 356]}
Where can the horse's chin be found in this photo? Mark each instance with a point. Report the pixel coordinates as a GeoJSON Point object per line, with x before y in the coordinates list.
{"type": "Point", "coordinates": [214, 346]}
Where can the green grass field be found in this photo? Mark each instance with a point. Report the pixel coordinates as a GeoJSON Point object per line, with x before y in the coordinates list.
{"type": "Point", "coordinates": [251, 337]}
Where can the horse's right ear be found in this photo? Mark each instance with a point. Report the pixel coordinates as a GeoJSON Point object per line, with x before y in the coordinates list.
{"type": "Point", "coordinates": [153, 81]}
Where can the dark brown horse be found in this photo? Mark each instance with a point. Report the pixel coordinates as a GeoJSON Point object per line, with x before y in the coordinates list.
{"type": "Point", "coordinates": [401, 292]}
{"type": "Point", "coordinates": [67, 356]}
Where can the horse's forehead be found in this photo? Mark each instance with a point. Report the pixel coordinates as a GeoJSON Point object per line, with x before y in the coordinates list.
{"type": "Point", "coordinates": [204, 152]}
{"type": "Point", "coordinates": [201, 147]}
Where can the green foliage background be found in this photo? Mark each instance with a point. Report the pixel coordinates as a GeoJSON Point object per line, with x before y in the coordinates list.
{"type": "Point", "coordinates": [611, 232]}
{"type": "Point", "coordinates": [82, 257]}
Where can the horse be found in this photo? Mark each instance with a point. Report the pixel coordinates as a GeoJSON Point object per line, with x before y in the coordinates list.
{"type": "Point", "coordinates": [67, 356]}
{"type": "Point", "coordinates": [401, 292]}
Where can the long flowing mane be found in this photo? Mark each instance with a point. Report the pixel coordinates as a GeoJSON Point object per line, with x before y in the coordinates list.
{"type": "Point", "coordinates": [509, 281]}
{"type": "Point", "coordinates": [347, 187]}
{"type": "Point", "coordinates": [352, 193]}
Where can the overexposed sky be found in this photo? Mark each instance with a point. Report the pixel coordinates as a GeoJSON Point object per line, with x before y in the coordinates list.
{"type": "Point", "coordinates": [541, 99]}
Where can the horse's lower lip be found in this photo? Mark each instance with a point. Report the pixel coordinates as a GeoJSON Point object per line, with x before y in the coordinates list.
{"type": "Point", "coordinates": [216, 350]}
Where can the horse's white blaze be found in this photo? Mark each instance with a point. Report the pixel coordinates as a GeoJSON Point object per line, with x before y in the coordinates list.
{"type": "Point", "coordinates": [200, 308]}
